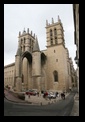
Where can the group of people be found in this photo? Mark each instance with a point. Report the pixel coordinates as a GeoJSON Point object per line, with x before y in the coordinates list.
{"type": "Point", "coordinates": [45, 94]}
{"type": "Point", "coordinates": [56, 94]}
{"type": "Point", "coordinates": [63, 96]}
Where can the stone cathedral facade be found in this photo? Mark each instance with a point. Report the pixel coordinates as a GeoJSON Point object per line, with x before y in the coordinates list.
{"type": "Point", "coordinates": [41, 69]}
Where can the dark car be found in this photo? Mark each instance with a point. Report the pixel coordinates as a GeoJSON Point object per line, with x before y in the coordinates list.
{"type": "Point", "coordinates": [31, 92]}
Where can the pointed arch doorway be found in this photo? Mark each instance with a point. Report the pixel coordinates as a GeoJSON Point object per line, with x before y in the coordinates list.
{"type": "Point", "coordinates": [26, 70]}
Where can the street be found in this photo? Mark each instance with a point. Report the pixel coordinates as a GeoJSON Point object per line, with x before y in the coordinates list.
{"type": "Point", "coordinates": [60, 108]}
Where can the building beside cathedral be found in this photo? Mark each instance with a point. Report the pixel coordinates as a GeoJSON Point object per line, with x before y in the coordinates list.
{"type": "Point", "coordinates": [76, 38]}
{"type": "Point", "coordinates": [49, 69]}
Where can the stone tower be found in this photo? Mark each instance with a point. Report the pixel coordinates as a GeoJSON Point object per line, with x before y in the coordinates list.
{"type": "Point", "coordinates": [36, 65]}
{"type": "Point", "coordinates": [54, 33]}
{"type": "Point", "coordinates": [46, 69]}
{"type": "Point", "coordinates": [56, 57]}
{"type": "Point", "coordinates": [23, 60]}
{"type": "Point", "coordinates": [49, 69]}
{"type": "Point", "coordinates": [18, 73]}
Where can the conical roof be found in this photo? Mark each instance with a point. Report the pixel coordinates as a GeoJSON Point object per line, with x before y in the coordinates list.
{"type": "Point", "coordinates": [36, 46]}
{"type": "Point", "coordinates": [19, 51]}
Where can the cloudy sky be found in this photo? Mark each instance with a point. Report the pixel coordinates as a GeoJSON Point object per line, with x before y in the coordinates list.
{"type": "Point", "coordinates": [34, 16]}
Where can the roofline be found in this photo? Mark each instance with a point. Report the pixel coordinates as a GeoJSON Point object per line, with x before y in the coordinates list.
{"type": "Point", "coordinates": [9, 65]}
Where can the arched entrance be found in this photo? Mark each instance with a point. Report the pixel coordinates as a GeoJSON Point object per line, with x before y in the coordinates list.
{"type": "Point", "coordinates": [26, 70]}
{"type": "Point", "coordinates": [43, 71]}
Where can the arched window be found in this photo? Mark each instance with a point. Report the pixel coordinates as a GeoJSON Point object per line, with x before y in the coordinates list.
{"type": "Point", "coordinates": [51, 41]}
{"type": "Point", "coordinates": [55, 32]}
{"type": "Point", "coordinates": [30, 40]}
{"type": "Point", "coordinates": [55, 74]}
{"type": "Point", "coordinates": [24, 40]}
{"type": "Point", "coordinates": [55, 40]}
{"type": "Point", "coordinates": [51, 33]}
{"type": "Point", "coordinates": [21, 41]}
{"type": "Point", "coordinates": [23, 48]}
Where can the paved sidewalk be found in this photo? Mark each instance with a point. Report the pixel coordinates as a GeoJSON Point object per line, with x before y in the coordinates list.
{"type": "Point", "coordinates": [41, 101]}
{"type": "Point", "coordinates": [12, 98]}
{"type": "Point", "coordinates": [75, 109]}
{"type": "Point", "coordinates": [32, 100]}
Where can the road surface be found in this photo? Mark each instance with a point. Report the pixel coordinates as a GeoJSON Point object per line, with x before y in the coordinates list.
{"type": "Point", "coordinates": [60, 108]}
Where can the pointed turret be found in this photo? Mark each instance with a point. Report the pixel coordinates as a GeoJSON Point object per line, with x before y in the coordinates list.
{"type": "Point", "coordinates": [36, 63]}
{"type": "Point", "coordinates": [36, 45]}
{"type": "Point", "coordinates": [19, 33]}
{"type": "Point", "coordinates": [59, 20]}
{"type": "Point", "coordinates": [52, 20]}
{"type": "Point", "coordinates": [24, 31]}
{"type": "Point", "coordinates": [27, 30]}
{"type": "Point", "coordinates": [31, 32]}
{"type": "Point", "coordinates": [34, 35]}
{"type": "Point", "coordinates": [19, 52]}
{"type": "Point", "coordinates": [46, 22]}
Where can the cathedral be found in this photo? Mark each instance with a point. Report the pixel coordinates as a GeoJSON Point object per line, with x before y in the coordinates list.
{"type": "Point", "coordinates": [48, 69]}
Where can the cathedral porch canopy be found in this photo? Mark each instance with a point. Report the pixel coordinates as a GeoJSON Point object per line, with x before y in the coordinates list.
{"type": "Point", "coordinates": [43, 58]}
{"type": "Point", "coordinates": [28, 55]}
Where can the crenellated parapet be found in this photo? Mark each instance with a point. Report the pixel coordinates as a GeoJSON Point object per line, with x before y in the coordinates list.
{"type": "Point", "coordinates": [53, 23]}
{"type": "Point", "coordinates": [24, 32]}
{"type": "Point", "coordinates": [26, 40]}
{"type": "Point", "coordinates": [55, 33]}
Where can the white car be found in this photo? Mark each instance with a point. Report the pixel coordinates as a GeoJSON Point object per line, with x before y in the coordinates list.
{"type": "Point", "coordinates": [51, 95]}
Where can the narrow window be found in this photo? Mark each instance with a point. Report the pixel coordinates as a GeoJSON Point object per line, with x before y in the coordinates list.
{"type": "Point", "coordinates": [24, 40]}
{"type": "Point", "coordinates": [51, 41]}
{"type": "Point", "coordinates": [55, 40]}
{"type": "Point", "coordinates": [30, 41]}
{"type": "Point", "coordinates": [51, 33]}
{"type": "Point", "coordinates": [21, 41]}
{"type": "Point", "coordinates": [55, 73]}
{"type": "Point", "coordinates": [55, 32]}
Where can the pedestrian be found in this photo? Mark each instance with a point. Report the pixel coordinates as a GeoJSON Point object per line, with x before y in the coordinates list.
{"type": "Point", "coordinates": [62, 95]}
{"type": "Point", "coordinates": [38, 94]}
{"type": "Point", "coordinates": [56, 94]}
{"type": "Point", "coordinates": [29, 95]}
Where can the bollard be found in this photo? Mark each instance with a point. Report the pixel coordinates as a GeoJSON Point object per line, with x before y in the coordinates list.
{"type": "Point", "coordinates": [38, 94]}
{"type": "Point", "coordinates": [26, 97]}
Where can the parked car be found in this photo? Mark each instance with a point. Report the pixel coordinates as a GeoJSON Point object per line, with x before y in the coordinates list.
{"type": "Point", "coordinates": [35, 90]}
{"type": "Point", "coordinates": [51, 95]}
{"type": "Point", "coordinates": [45, 94]}
{"type": "Point", "coordinates": [30, 92]}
